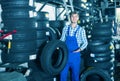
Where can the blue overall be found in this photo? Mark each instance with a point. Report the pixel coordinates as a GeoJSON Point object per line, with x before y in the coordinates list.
{"type": "Point", "coordinates": [73, 58]}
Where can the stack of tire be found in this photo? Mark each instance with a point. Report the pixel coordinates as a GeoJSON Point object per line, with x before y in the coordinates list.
{"type": "Point", "coordinates": [58, 25]}
{"type": "Point", "coordinates": [18, 15]}
{"type": "Point", "coordinates": [42, 23]}
{"type": "Point", "coordinates": [51, 53]}
{"type": "Point", "coordinates": [101, 49]}
{"type": "Point", "coordinates": [44, 32]}
{"type": "Point", "coordinates": [86, 23]}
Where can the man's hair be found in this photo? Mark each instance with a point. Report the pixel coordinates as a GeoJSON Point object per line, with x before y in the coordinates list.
{"type": "Point", "coordinates": [75, 12]}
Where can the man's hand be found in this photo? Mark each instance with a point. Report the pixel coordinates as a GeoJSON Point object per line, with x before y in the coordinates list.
{"type": "Point", "coordinates": [78, 50]}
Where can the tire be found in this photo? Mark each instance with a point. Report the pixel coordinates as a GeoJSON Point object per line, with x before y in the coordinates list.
{"type": "Point", "coordinates": [24, 35]}
{"type": "Point", "coordinates": [15, 57]}
{"type": "Point", "coordinates": [95, 42]}
{"type": "Point", "coordinates": [102, 48]}
{"type": "Point", "coordinates": [101, 65]}
{"type": "Point", "coordinates": [105, 25]}
{"type": "Point", "coordinates": [102, 32]}
{"type": "Point", "coordinates": [51, 33]}
{"type": "Point", "coordinates": [57, 33]}
{"type": "Point", "coordinates": [103, 59]}
{"type": "Point", "coordinates": [21, 47]}
{"type": "Point", "coordinates": [54, 57]}
{"type": "Point", "coordinates": [42, 16]}
{"type": "Point", "coordinates": [41, 34]}
{"type": "Point", "coordinates": [102, 74]}
{"type": "Point", "coordinates": [103, 38]}
{"type": "Point", "coordinates": [42, 24]}
{"type": "Point", "coordinates": [20, 23]}
{"type": "Point", "coordinates": [16, 13]}
{"type": "Point", "coordinates": [109, 53]}
{"type": "Point", "coordinates": [59, 24]}
{"type": "Point", "coordinates": [15, 3]}
{"type": "Point", "coordinates": [40, 42]}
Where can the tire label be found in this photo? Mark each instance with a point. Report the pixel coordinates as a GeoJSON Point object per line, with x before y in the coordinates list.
{"type": "Point", "coordinates": [32, 57]}
{"type": "Point", "coordinates": [31, 2]}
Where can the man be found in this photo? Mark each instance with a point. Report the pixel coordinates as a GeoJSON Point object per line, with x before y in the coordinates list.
{"type": "Point", "coordinates": [75, 38]}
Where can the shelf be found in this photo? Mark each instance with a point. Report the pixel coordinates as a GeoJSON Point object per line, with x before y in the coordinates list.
{"type": "Point", "coordinates": [54, 2]}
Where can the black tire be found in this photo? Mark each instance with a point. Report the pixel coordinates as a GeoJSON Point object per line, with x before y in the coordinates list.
{"type": "Point", "coordinates": [102, 32]}
{"type": "Point", "coordinates": [42, 24]}
{"type": "Point", "coordinates": [103, 38]}
{"type": "Point", "coordinates": [15, 57]}
{"type": "Point", "coordinates": [42, 16]}
{"type": "Point", "coordinates": [109, 53]}
{"type": "Point", "coordinates": [15, 3]}
{"type": "Point", "coordinates": [103, 59]}
{"type": "Point", "coordinates": [57, 33]}
{"type": "Point", "coordinates": [101, 65]}
{"type": "Point", "coordinates": [20, 23]}
{"type": "Point", "coordinates": [104, 25]}
{"type": "Point", "coordinates": [59, 24]}
{"type": "Point", "coordinates": [51, 33]}
{"type": "Point", "coordinates": [102, 74]}
{"type": "Point", "coordinates": [102, 48]}
{"type": "Point", "coordinates": [24, 35]}
{"type": "Point", "coordinates": [95, 42]}
{"type": "Point", "coordinates": [15, 13]}
{"type": "Point", "coordinates": [41, 34]}
{"type": "Point", "coordinates": [54, 57]}
{"type": "Point", "coordinates": [18, 46]}
{"type": "Point", "coordinates": [40, 42]}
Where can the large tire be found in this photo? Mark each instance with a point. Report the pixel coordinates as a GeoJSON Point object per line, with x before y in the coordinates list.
{"type": "Point", "coordinates": [54, 57]}
{"type": "Point", "coordinates": [51, 33]}
{"type": "Point", "coordinates": [16, 3]}
{"type": "Point", "coordinates": [104, 25]}
{"type": "Point", "coordinates": [101, 48]}
{"type": "Point", "coordinates": [20, 47]}
{"type": "Point", "coordinates": [15, 57]}
{"type": "Point", "coordinates": [42, 24]}
{"type": "Point", "coordinates": [20, 24]}
{"type": "Point", "coordinates": [102, 32]}
{"type": "Point", "coordinates": [42, 16]}
{"type": "Point", "coordinates": [41, 34]}
{"type": "Point", "coordinates": [16, 13]}
{"type": "Point", "coordinates": [102, 74]}
{"type": "Point", "coordinates": [24, 35]}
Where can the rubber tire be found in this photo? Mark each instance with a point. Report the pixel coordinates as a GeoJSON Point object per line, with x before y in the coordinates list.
{"type": "Point", "coordinates": [99, 72]}
{"type": "Point", "coordinates": [49, 51]}
{"type": "Point", "coordinates": [20, 47]}
{"type": "Point", "coordinates": [51, 33]}
{"type": "Point", "coordinates": [20, 24]}
{"type": "Point", "coordinates": [42, 16]}
{"type": "Point", "coordinates": [15, 57]}
{"type": "Point", "coordinates": [101, 48]}
{"type": "Point", "coordinates": [15, 13]}
{"type": "Point", "coordinates": [15, 3]}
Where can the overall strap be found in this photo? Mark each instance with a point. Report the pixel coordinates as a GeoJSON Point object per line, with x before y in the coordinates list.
{"type": "Point", "coordinates": [68, 30]}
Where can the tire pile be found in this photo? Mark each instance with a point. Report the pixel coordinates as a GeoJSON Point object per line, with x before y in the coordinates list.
{"type": "Point", "coordinates": [58, 25]}
{"type": "Point", "coordinates": [18, 15]}
{"type": "Point", "coordinates": [101, 52]}
{"type": "Point", "coordinates": [51, 53]}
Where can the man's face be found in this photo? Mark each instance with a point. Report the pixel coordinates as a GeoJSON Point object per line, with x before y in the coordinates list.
{"type": "Point", "coordinates": [74, 18]}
